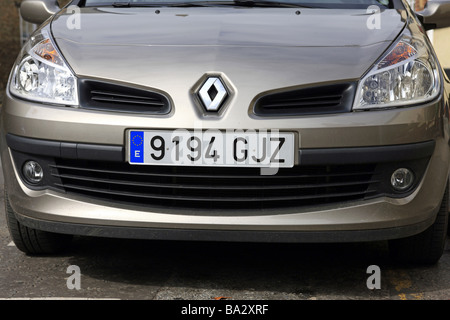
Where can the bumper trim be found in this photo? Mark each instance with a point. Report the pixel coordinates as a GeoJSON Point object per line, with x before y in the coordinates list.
{"type": "Point", "coordinates": [225, 235]}
{"type": "Point", "coordinates": [376, 154]}
{"type": "Point", "coordinates": [323, 156]}
{"type": "Point", "coordinates": [67, 150]}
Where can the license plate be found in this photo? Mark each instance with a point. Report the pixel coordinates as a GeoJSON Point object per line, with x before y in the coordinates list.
{"type": "Point", "coordinates": [211, 148]}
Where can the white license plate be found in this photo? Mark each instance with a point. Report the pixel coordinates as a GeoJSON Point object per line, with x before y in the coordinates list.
{"type": "Point", "coordinates": [228, 148]}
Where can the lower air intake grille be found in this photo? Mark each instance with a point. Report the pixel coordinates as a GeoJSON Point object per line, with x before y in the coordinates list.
{"type": "Point", "coordinates": [218, 188]}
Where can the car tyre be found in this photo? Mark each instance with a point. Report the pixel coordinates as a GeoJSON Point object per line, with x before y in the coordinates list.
{"type": "Point", "coordinates": [426, 247]}
{"type": "Point", "coordinates": [32, 241]}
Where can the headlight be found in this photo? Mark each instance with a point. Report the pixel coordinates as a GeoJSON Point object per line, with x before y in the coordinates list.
{"type": "Point", "coordinates": [405, 75]}
{"type": "Point", "coordinates": [40, 73]}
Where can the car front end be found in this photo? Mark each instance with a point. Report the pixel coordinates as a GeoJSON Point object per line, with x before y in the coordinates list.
{"type": "Point", "coordinates": [222, 123]}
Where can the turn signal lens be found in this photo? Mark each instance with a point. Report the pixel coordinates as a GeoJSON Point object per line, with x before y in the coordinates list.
{"type": "Point", "coordinates": [401, 52]}
{"type": "Point", "coordinates": [45, 49]}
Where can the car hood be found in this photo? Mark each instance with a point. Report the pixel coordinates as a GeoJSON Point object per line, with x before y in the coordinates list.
{"type": "Point", "coordinates": [258, 49]}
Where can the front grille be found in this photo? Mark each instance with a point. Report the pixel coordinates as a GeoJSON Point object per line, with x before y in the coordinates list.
{"type": "Point", "coordinates": [322, 99]}
{"type": "Point", "coordinates": [215, 188]}
{"type": "Point", "coordinates": [104, 96]}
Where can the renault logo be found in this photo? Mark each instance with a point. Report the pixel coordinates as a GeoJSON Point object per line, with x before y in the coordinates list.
{"type": "Point", "coordinates": [212, 94]}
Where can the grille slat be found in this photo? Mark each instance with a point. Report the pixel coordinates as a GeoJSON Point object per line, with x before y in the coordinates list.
{"type": "Point", "coordinates": [321, 97]}
{"type": "Point", "coordinates": [298, 102]}
{"type": "Point", "coordinates": [113, 99]}
{"type": "Point", "coordinates": [128, 96]}
{"type": "Point", "coordinates": [203, 186]}
{"type": "Point", "coordinates": [208, 198]}
{"type": "Point", "coordinates": [303, 105]}
{"type": "Point", "coordinates": [212, 174]}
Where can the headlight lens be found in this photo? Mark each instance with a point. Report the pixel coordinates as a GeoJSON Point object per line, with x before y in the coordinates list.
{"type": "Point", "coordinates": [406, 75]}
{"type": "Point", "coordinates": [41, 74]}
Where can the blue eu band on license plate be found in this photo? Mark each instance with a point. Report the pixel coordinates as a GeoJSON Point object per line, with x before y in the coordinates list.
{"type": "Point", "coordinates": [136, 146]}
{"type": "Point", "coordinates": [211, 148]}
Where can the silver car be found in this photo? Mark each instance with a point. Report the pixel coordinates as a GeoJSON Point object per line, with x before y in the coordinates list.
{"type": "Point", "coordinates": [244, 120]}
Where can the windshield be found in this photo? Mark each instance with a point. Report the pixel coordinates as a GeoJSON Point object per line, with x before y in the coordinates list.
{"type": "Point", "coordinates": [332, 4]}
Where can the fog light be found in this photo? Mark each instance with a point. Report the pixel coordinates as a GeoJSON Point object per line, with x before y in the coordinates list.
{"type": "Point", "coordinates": [32, 171]}
{"type": "Point", "coordinates": [402, 179]}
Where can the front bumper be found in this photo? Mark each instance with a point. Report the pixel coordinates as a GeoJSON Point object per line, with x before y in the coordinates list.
{"type": "Point", "coordinates": [392, 135]}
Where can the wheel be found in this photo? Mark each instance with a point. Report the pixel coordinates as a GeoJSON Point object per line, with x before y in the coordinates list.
{"type": "Point", "coordinates": [426, 247]}
{"type": "Point", "coordinates": [32, 241]}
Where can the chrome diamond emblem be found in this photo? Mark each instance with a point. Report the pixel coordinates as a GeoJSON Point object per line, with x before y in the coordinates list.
{"type": "Point", "coordinates": [213, 94]}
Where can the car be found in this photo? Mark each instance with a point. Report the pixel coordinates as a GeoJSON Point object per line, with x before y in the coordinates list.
{"type": "Point", "coordinates": [243, 121]}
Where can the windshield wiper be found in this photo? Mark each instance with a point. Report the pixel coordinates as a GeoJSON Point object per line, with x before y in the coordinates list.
{"type": "Point", "coordinates": [240, 3]}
